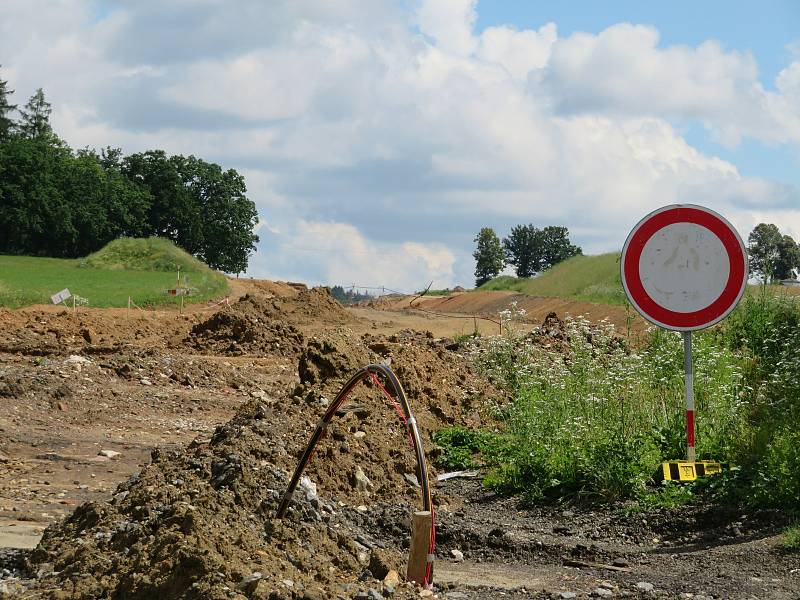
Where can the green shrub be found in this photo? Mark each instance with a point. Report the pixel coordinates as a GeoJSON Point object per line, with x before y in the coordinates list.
{"type": "Point", "coordinates": [790, 539]}
{"type": "Point", "coordinates": [460, 446]}
{"type": "Point", "coordinates": [590, 417]}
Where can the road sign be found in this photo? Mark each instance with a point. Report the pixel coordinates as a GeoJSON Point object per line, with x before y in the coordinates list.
{"type": "Point", "coordinates": [60, 296]}
{"type": "Point", "coordinates": [684, 267]}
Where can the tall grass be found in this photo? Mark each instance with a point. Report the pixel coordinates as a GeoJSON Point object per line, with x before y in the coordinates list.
{"type": "Point", "coordinates": [591, 416]}
{"type": "Point", "coordinates": [589, 278]}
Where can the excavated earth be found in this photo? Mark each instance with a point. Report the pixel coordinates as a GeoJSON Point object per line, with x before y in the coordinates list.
{"type": "Point", "coordinates": [156, 448]}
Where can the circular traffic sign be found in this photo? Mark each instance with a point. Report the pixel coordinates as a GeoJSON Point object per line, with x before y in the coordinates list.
{"type": "Point", "coordinates": [684, 267]}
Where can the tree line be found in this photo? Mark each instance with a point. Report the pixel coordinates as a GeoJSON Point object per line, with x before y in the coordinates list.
{"type": "Point", "coordinates": [59, 202]}
{"type": "Point", "coordinates": [772, 256]}
{"type": "Point", "coordinates": [527, 248]}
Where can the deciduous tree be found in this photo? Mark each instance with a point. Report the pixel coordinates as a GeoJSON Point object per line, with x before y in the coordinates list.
{"type": "Point", "coordinates": [489, 257]}
{"type": "Point", "coordinates": [788, 260]}
{"type": "Point", "coordinates": [763, 249]}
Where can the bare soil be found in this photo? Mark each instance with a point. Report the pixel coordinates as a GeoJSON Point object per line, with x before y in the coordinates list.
{"type": "Point", "coordinates": [154, 447]}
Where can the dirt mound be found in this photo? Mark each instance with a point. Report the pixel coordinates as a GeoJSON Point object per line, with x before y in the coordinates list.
{"type": "Point", "coordinates": [200, 523]}
{"type": "Point", "coordinates": [259, 324]}
{"type": "Point", "coordinates": [245, 328]}
{"type": "Point", "coordinates": [36, 332]}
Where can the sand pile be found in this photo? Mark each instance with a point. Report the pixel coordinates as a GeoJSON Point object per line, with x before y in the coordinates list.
{"type": "Point", "coordinates": [200, 523]}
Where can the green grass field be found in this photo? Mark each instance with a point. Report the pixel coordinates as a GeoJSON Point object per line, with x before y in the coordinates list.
{"type": "Point", "coordinates": [592, 279]}
{"type": "Point", "coordinates": [141, 269]}
{"type": "Point", "coordinates": [589, 278]}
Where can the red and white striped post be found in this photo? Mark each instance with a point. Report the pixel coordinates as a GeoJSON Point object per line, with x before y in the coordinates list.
{"type": "Point", "coordinates": [688, 374]}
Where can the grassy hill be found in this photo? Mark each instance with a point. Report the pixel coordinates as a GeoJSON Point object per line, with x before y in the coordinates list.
{"type": "Point", "coordinates": [140, 268]}
{"type": "Point", "coordinates": [589, 278]}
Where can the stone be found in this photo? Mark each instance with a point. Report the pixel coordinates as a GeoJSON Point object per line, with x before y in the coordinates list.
{"type": "Point", "coordinates": [567, 595]}
{"type": "Point", "coordinates": [374, 594]}
{"type": "Point", "coordinates": [109, 453]}
{"type": "Point", "coordinates": [457, 555]}
{"type": "Point", "coordinates": [425, 594]}
{"type": "Point", "coordinates": [379, 563]}
{"type": "Point", "coordinates": [392, 578]}
{"type": "Point", "coordinates": [249, 583]}
{"type": "Point", "coordinates": [412, 479]}
{"type": "Point", "coordinates": [644, 586]}
{"type": "Point", "coordinates": [361, 481]}
{"type": "Point", "coordinates": [620, 562]}
{"type": "Point", "coordinates": [309, 487]}
{"type": "Point", "coordinates": [602, 593]}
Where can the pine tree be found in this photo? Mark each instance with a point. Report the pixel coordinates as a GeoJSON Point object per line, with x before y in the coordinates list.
{"type": "Point", "coordinates": [6, 123]}
{"type": "Point", "coordinates": [35, 121]}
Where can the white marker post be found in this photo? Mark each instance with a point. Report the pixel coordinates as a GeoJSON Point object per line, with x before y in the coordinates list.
{"type": "Point", "coordinates": [684, 267]}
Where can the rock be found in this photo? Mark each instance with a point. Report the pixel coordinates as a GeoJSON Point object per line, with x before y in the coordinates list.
{"type": "Point", "coordinates": [602, 593]}
{"type": "Point", "coordinates": [374, 594]}
{"type": "Point", "coordinates": [457, 555]}
{"type": "Point", "coordinates": [643, 586]}
{"type": "Point", "coordinates": [88, 334]}
{"type": "Point", "coordinates": [249, 583]}
{"type": "Point", "coordinates": [62, 406]}
{"type": "Point", "coordinates": [379, 563]}
{"type": "Point", "coordinates": [620, 562]}
{"type": "Point", "coordinates": [288, 583]}
{"type": "Point", "coordinates": [425, 594]}
{"type": "Point", "coordinates": [361, 595]}
{"type": "Point", "coordinates": [567, 595]}
{"type": "Point", "coordinates": [145, 381]}
{"type": "Point", "coordinates": [392, 578]}
{"type": "Point", "coordinates": [109, 453]}
{"type": "Point", "coordinates": [359, 434]}
{"type": "Point", "coordinates": [412, 479]}
{"type": "Point", "coordinates": [361, 481]}
{"type": "Point", "coordinates": [74, 359]}
{"type": "Point", "coordinates": [309, 487]}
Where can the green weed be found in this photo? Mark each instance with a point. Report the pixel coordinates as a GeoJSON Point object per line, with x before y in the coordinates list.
{"type": "Point", "coordinates": [790, 539]}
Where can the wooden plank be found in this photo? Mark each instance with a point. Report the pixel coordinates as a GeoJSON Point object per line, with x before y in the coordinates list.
{"type": "Point", "coordinates": [421, 524]}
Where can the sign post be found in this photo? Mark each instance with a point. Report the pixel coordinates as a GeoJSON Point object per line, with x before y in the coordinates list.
{"type": "Point", "coordinates": [684, 268]}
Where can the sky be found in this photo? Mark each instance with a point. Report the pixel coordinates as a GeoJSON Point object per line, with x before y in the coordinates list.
{"type": "Point", "coordinates": [378, 136]}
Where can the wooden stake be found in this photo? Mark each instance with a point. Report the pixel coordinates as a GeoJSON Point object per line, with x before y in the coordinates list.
{"type": "Point", "coordinates": [421, 524]}
{"type": "Point", "coordinates": [129, 308]}
{"type": "Point", "coordinates": [74, 310]}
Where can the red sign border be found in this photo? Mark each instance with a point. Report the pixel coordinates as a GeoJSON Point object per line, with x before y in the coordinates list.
{"type": "Point", "coordinates": [649, 308]}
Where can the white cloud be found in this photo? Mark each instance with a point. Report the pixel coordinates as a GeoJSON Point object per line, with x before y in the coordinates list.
{"type": "Point", "coordinates": [375, 143]}
{"type": "Point", "coordinates": [338, 252]}
{"type": "Point", "coordinates": [622, 70]}
{"type": "Point", "coordinates": [449, 23]}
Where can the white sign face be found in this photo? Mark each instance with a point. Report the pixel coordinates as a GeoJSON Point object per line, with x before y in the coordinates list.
{"type": "Point", "coordinates": [60, 296]}
{"type": "Point", "coordinates": [684, 267]}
